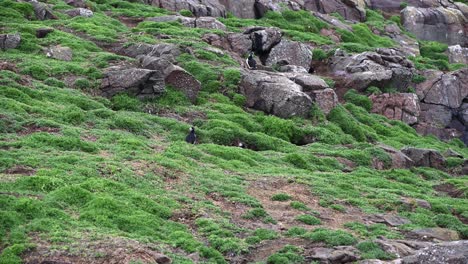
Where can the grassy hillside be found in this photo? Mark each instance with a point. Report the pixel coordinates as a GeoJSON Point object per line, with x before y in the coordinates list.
{"type": "Point", "coordinates": [77, 169]}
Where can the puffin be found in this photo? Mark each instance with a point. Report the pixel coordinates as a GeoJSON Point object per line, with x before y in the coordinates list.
{"type": "Point", "coordinates": [251, 62]}
{"type": "Point", "coordinates": [191, 137]}
{"type": "Point", "coordinates": [241, 145]}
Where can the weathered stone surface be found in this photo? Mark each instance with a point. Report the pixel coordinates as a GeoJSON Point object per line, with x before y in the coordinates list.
{"type": "Point", "coordinates": [291, 52]}
{"type": "Point", "coordinates": [236, 42]}
{"type": "Point", "coordinates": [458, 54]}
{"type": "Point", "coordinates": [292, 69]}
{"type": "Point", "coordinates": [43, 32]}
{"type": "Point", "coordinates": [388, 219]}
{"type": "Point", "coordinates": [76, 3]}
{"type": "Point", "coordinates": [79, 12]}
{"type": "Point", "coordinates": [142, 83]}
{"type": "Point", "coordinates": [401, 106]}
{"type": "Point", "coordinates": [164, 50]}
{"type": "Point", "coordinates": [333, 21]}
{"type": "Point", "coordinates": [400, 248]}
{"type": "Point", "coordinates": [349, 9]}
{"type": "Point", "coordinates": [210, 23]}
{"type": "Point", "coordinates": [240, 8]}
{"type": "Point", "coordinates": [263, 40]}
{"type": "Point", "coordinates": [437, 115]}
{"type": "Point", "coordinates": [274, 94]}
{"type": "Point", "coordinates": [9, 41]}
{"type": "Point", "coordinates": [325, 99]}
{"type": "Point", "coordinates": [408, 46]}
{"type": "Point", "coordinates": [448, 253]}
{"type": "Point", "coordinates": [395, 5]}
{"type": "Point", "coordinates": [381, 68]}
{"type": "Point", "coordinates": [342, 254]}
{"type": "Point", "coordinates": [399, 159]}
{"type": "Point", "coordinates": [199, 8]}
{"type": "Point", "coordinates": [445, 25]}
{"type": "Point", "coordinates": [425, 157]}
{"type": "Point", "coordinates": [60, 53]}
{"type": "Point", "coordinates": [412, 203]}
{"type": "Point", "coordinates": [42, 10]}
{"type": "Point", "coordinates": [263, 6]}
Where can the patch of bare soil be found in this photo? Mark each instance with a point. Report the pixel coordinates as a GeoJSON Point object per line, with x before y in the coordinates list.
{"type": "Point", "coordinates": [110, 250]}
{"type": "Point", "coordinates": [20, 169]}
{"type": "Point", "coordinates": [450, 190]}
{"type": "Point", "coordinates": [33, 128]}
{"type": "Point", "coordinates": [264, 189]}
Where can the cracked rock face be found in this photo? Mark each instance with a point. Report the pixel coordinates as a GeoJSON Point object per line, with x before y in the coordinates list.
{"type": "Point", "coordinates": [401, 106]}
{"type": "Point", "coordinates": [198, 7]}
{"type": "Point", "coordinates": [448, 252]}
{"type": "Point", "coordinates": [446, 25]}
{"type": "Point", "coordinates": [9, 41]}
{"type": "Point", "coordinates": [380, 68]}
{"type": "Point", "coordinates": [443, 99]}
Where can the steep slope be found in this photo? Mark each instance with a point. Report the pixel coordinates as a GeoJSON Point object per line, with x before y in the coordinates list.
{"type": "Point", "coordinates": [95, 104]}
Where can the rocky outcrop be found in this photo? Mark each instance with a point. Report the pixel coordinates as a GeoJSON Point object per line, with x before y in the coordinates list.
{"type": "Point", "coordinates": [443, 104]}
{"type": "Point", "coordinates": [193, 22]}
{"type": "Point", "coordinates": [237, 43]}
{"type": "Point", "coordinates": [198, 7]}
{"type": "Point", "coordinates": [240, 8]}
{"type": "Point", "coordinates": [448, 252]}
{"type": "Point", "coordinates": [325, 99]}
{"type": "Point", "coordinates": [341, 254]}
{"type": "Point", "coordinates": [76, 3]}
{"type": "Point", "coordinates": [399, 159]}
{"type": "Point", "coordinates": [385, 67]}
{"type": "Point", "coordinates": [425, 157]}
{"type": "Point", "coordinates": [142, 83]}
{"type": "Point", "coordinates": [289, 52]}
{"type": "Point", "coordinates": [388, 219]}
{"type": "Point", "coordinates": [42, 10]}
{"type": "Point", "coordinates": [173, 75]}
{"type": "Point", "coordinates": [9, 41]}
{"type": "Point", "coordinates": [399, 106]}
{"type": "Point", "coordinates": [274, 94]}
{"type": "Point", "coordinates": [407, 45]}
{"type": "Point", "coordinates": [162, 50]}
{"type": "Point", "coordinates": [400, 248]}
{"type": "Point", "coordinates": [349, 9]}
{"type": "Point", "coordinates": [59, 53]}
{"type": "Point", "coordinates": [458, 54]}
{"type": "Point", "coordinates": [447, 25]}
{"type": "Point", "coordinates": [79, 12]}
{"type": "Point", "coordinates": [264, 39]}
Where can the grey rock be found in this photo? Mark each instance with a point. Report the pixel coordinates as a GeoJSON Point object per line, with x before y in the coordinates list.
{"type": "Point", "coordinates": [76, 3]}
{"type": "Point", "coordinates": [437, 115]}
{"type": "Point", "coordinates": [448, 253]}
{"type": "Point", "coordinates": [142, 83]}
{"type": "Point", "coordinates": [308, 82]}
{"type": "Point", "coordinates": [263, 6]}
{"type": "Point", "coordinates": [210, 23]}
{"type": "Point", "coordinates": [399, 159]}
{"type": "Point", "coordinates": [446, 25]}
{"type": "Point", "coordinates": [349, 9]}
{"type": "Point", "coordinates": [325, 99]}
{"type": "Point", "coordinates": [292, 68]}
{"type": "Point", "coordinates": [264, 40]}
{"type": "Point", "coordinates": [391, 220]}
{"type": "Point", "coordinates": [274, 94]}
{"type": "Point", "coordinates": [79, 12]}
{"type": "Point", "coordinates": [199, 8]}
{"type": "Point", "coordinates": [294, 53]}
{"type": "Point", "coordinates": [337, 255]}
{"type": "Point", "coordinates": [425, 157]}
{"type": "Point", "coordinates": [165, 50]}
{"type": "Point", "coordinates": [9, 41]}
{"type": "Point", "coordinates": [381, 68]}
{"type": "Point", "coordinates": [240, 8]}
{"type": "Point", "coordinates": [42, 10]}
{"type": "Point", "coordinates": [60, 53]}
{"type": "Point", "coordinates": [458, 54]}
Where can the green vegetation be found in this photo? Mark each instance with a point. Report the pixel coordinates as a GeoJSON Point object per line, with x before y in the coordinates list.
{"type": "Point", "coordinates": [77, 168]}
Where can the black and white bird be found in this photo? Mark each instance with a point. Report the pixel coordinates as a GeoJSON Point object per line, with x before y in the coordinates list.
{"type": "Point", "coordinates": [251, 62]}
{"type": "Point", "coordinates": [241, 145]}
{"type": "Point", "coordinates": [191, 137]}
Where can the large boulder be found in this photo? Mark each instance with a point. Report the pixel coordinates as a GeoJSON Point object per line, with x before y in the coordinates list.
{"type": "Point", "coordinates": [341, 254]}
{"type": "Point", "coordinates": [142, 83]}
{"type": "Point", "coordinates": [408, 46]}
{"type": "Point", "coordinates": [42, 10]}
{"type": "Point", "coordinates": [399, 106]}
{"type": "Point", "coordinates": [400, 248]}
{"type": "Point", "coordinates": [458, 54]}
{"type": "Point", "coordinates": [165, 50]}
{"type": "Point", "coordinates": [199, 8]}
{"type": "Point", "coordinates": [448, 253]}
{"type": "Point", "coordinates": [425, 157]}
{"type": "Point", "coordinates": [289, 52]}
{"type": "Point", "coordinates": [385, 67]}
{"type": "Point", "coordinates": [60, 53]}
{"type": "Point", "coordinates": [443, 107]}
{"type": "Point", "coordinates": [173, 75]}
{"type": "Point", "coordinates": [240, 8]}
{"type": "Point", "coordinates": [9, 41]}
{"type": "Point", "coordinates": [399, 159]}
{"type": "Point", "coordinates": [274, 94]}
{"type": "Point", "coordinates": [237, 43]}
{"type": "Point", "coordinates": [325, 99]}
{"type": "Point", "coordinates": [349, 9]}
{"type": "Point", "coordinates": [264, 39]}
{"type": "Point", "coordinates": [447, 25]}
{"type": "Point", "coordinates": [79, 12]}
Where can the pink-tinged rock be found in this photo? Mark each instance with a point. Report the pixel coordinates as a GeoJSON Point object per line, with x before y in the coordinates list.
{"type": "Point", "coordinates": [401, 106]}
{"type": "Point", "coordinates": [325, 99]}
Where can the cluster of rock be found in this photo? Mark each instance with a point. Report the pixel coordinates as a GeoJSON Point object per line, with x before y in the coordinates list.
{"type": "Point", "coordinates": [9, 41]}
{"type": "Point", "coordinates": [349, 9]}
{"type": "Point", "coordinates": [155, 71]}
